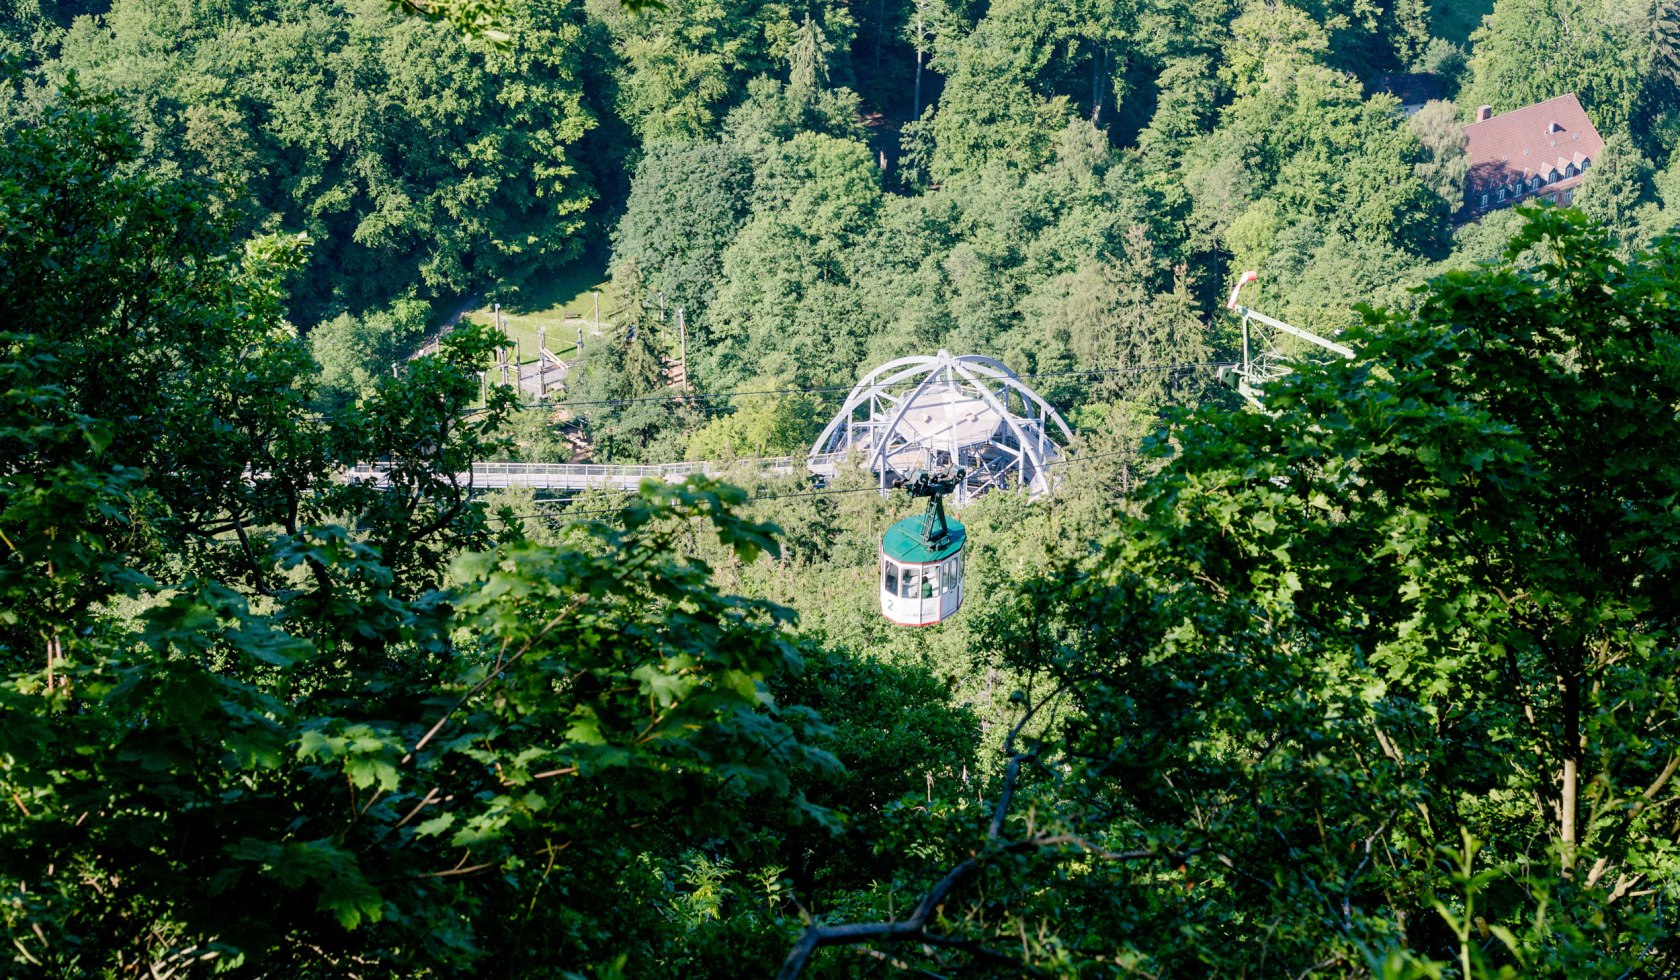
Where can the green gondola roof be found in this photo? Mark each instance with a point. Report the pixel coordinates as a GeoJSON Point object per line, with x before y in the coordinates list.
{"type": "Point", "coordinates": [907, 541]}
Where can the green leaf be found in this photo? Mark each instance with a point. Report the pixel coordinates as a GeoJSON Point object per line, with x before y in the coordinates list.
{"type": "Point", "coordinates": [434, 826]}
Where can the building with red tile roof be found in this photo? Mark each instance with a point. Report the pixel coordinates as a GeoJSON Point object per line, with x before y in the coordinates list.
{"type": "Point", "coordinates": [1538, 151]}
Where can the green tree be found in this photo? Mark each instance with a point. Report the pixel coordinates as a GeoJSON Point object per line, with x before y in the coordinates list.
{"type": "Point", "coordinates": [762, 425]}
{"type": "Point", "coordinates": [808, 61]}
{"type": "Point", "coordinates": [786, 275]}
{"type": "Point", "coordinates": [772, 113]}
{"type": "Point", "coordinates": [1345, 162]}
{"type": "Point", "coordinates": [1442, 58]}
{"type": "Point", "coordinates": [1665, 185]}
{"type": "Point", "coordinates": [1445, 165]}
{"type": "Point", "coordinates": [1409, 30]}
{"type": "Point", "coordinates": [687, 64]}
{"type": "Point", "coordinates": [1269, 43]}
{"type": "Point", "coordinates": [236, 679]}
{"type": "Point", "coordinates": [1524, 621]}
{"type": "Point", "coordinates": [1599, 50]}
{"type": "Point", "coordinates": [622, 389]}
{"type": "Point", "coordinates": [1615, 189]}
{"type": "Point", "coordinates": [383, 137]}
{"type": "Point", "coordinates": [1187, 89]}
{"type": "Point", "coordinates": [989, 113]}
{"type": "Point", "coordinates": [687, 202]}
{"type": "Point", "coordinates": [930, 23]}
{"type": "Point", "coordinates": [354, 350]}
{"type": "Point", "coordinates": [1378, 679]}
{"type": "Point", "coordinates": [1123, 319]}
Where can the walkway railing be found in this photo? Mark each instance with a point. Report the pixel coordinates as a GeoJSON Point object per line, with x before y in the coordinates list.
{"type": "Point", "coordinates": [591, 476]}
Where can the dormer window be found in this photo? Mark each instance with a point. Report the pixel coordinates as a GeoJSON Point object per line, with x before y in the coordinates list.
{"type": "Point", "coordinates": [1554, 128]}
{"type": "Point", "coordinates": [1569, 171]}
{"type": "Point", "coordinates": [1585, 163]}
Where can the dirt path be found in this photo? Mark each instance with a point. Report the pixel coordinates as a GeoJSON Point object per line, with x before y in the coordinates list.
{"type": "Point", "coordinates": [443, 329]}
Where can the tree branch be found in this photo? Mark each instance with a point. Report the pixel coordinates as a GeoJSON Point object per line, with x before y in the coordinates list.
{"type": "Point", "coordinates": [913, 928]}
{"type": "Point", "coordinates": [494, 673]}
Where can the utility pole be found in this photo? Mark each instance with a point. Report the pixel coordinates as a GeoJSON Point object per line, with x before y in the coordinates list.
{"type": "Point", "coordinates": [501, 351]}
{"type": "Point", "coordinates": [682, 332]}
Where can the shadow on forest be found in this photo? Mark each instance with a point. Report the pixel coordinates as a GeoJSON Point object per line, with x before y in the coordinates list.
{"type": "Point", "coordinates": [1455, 21]}
{"type": "Point", "coordinates": [565, 292]}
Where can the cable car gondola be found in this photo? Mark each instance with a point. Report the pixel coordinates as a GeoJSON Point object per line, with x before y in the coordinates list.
{"type": "Point", "coordinates": [922, 558]}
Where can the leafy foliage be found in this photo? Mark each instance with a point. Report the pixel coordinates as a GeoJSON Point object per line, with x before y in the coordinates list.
{"type": "Point", "coordinates": [412, 155]}
{"type": "Point", "coordinates": [1380, 679]}
{"type": "Point", "coordinates": [1520, 34]}
{"type": "Point", "coordinates": [235, 682]}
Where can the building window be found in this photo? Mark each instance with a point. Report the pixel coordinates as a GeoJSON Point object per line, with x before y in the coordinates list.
{"type": "Point", "coordinates": [1502, 193]}
{"type": "Point", "coordinates": [1569, 196]}
{"type": "Point", "coordinates": [1484, 200]}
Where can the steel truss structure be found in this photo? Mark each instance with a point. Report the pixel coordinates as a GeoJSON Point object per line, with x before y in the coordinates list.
{"type": "Point", "coordinates": [924, 414]}
{"type": "Point", "coordinates": [1263, 358]}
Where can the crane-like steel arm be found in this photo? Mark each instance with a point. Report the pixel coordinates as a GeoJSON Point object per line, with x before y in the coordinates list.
{"type": "Point", "coordinates": [1252, 373]}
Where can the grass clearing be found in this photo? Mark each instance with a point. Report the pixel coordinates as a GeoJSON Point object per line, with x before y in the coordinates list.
{"type": "Point", "coordinates": [559, 305]}
{"type": "Point", "coordinates": [1456, 20]}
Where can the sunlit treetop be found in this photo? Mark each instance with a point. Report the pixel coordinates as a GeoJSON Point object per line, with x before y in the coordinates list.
{"type": "Point", "coordinates": [483, 18]}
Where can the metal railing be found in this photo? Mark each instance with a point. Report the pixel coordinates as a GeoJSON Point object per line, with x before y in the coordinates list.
{"type": "Point", "coordinates": [618, 476]}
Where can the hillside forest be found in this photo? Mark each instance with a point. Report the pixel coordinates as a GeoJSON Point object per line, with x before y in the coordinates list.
{"type": "Point", "coordinates": [1376, 679]}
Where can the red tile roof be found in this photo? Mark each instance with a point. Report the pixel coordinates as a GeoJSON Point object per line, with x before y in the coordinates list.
{"type": "Point", "coordinates": [1543, 140]}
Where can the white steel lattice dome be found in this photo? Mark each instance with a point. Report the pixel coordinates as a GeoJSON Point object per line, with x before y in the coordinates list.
{"type": "Point", "coordinates": [942, 412]}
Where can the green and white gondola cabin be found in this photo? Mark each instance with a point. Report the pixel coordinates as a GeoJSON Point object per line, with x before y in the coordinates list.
{"type": "Point", "coordinates": [922, 569]}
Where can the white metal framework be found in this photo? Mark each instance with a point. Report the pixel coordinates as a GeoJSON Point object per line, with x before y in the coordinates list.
{"type": "Point", "coordinates": [1263, 359]}
{"type": "Point", "coordinates": [919, 414]}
